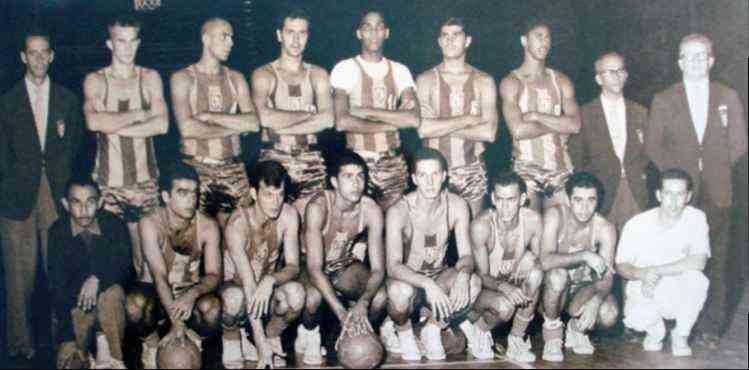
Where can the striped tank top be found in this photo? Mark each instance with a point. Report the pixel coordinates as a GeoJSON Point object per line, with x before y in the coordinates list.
{"type": "Point", "coordinates": [567, 243]}
{"type": "Point", "coordinates": [120, 160]}
{"type": "Point", "coordinates": [291, 97]}
{"type": "Point", "coordinates": [340, 233]}
{"type": "Point", "coordinates": [215, 94]}
{"type": "Point", "coordinates": [426, 251]}
{"type": "Point", "coordinates": [501, 255]}
{"type": "Point", "coordinates": [548, 151]}
{"type": "Point", "coordinates": [182, 253]}
{"type": "Point", "coordinates": [451, 102]}
{"type": "Point", "coordinates": [379, 94]}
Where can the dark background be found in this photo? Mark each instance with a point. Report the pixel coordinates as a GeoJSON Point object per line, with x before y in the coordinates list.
{"type": "Point", "coordinates": [646, 32]}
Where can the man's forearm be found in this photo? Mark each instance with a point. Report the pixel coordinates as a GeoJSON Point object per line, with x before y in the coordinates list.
{"type": "Point", "coordinates": [358, 125]}
{"type": "Point", "coordinates": [396, 118]}
{"type": "Point", "coordinates": [689, 263]}
{"type": "Point", "coordinates": [438, 127]}
{"type": "Point", "coordinates": [562, 260]}
{"type": "Point", "coordinates": [276, 119]}
{"type": "Point", "coordinates": [243, 122]}
{"type": "Point", "coordinates": [322, 283]}
{"type": "Point", "coordinates": [465, 265]}
{"type": "Point", "coordinates": [561, 124]}
{"type": "Point", "coordinates": [207, 284]}
{"type": "Point", "coordinates": [287, 274]}
{"type": "Point", "coordinates": [630, 271]}
{"type": "Point", "coordinates": [111, 122]}
{"type": "Point", "coordinates": [373, 285]}
{"type": "Point", "coordinates": [406, 274]}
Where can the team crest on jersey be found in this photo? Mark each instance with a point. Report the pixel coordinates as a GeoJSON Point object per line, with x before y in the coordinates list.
{"type": "Point", "coordinates": [380, 95]}
{"type": "Point", "coordinates": [295, 104]}
{"type": "Point", "coordinates": [457, 99]}
{"type": "Point", "coordinates": [432, 252]}
{"type": "Point", "coordinates": [544, 102]}
{"type": "Point", "coordinates": [215, 99]}
{"type": "Point", "coordinates": [340, 244]}
{"type": "Point", "coordinates": [259, 258]}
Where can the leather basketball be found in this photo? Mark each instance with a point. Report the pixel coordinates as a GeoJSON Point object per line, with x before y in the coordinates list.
{"type": "Point", "coordinates": [454, 341]}
{"type": "Point", "coordinates": [361, 352]}
{"type": "Point", "coordinates": [179, 353]}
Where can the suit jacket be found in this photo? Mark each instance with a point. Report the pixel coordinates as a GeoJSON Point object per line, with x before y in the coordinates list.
{"type": "Point", "coordinates": [21, 156]}
{"type": "Point", "coordinates": [592, 150]}
{"type": "Point", "coordinates": [671, 140]}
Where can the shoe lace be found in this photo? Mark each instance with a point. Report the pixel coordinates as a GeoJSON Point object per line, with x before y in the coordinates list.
{"type": "Point", "coordinates": [554, 345]}
{"type": "Point", "coordinates": [521, 345]}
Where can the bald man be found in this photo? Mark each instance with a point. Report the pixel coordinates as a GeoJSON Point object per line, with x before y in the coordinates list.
{"type": "Point", "coordinates": [213, 107]}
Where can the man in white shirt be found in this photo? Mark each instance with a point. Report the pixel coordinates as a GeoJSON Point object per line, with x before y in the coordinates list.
{"type": "Point", "coordinates": [699, 125]}
{"type": "Point", "coordinates": [662, 253]}
{"type": "Point", "coordinates": [375, 97]}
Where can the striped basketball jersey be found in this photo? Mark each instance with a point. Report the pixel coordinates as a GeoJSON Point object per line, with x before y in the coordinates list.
{"type": "Point", "coordinates": [501, 254]}
{"type": "Point", "coordinates": [263, 248]}
{"type": "Point", "coordinates": [215, 94]}
{"type": "Point", "coordinates": [291, 97]}
{"type": "Point", "coordinates": [120, 160]}
{"type": "Point", "coordinates": [567, 242]}
{"type": "Point", "coordinates": [547, 151]}
{"type": "Point", "coordinates": [450, 101]}
{"type": "Point", "coordinates": [340, 233]}
{"type": "Point", "coordinates": [379, 94]}
{"type": "Point", "coordinates": [182, 252]}
{"type": "Point", "coordinates": [426, 251]}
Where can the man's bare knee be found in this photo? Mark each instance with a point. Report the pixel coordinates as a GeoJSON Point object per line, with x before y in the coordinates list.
{"type": "Point", "coordinates": [535, 278]}
{"type": "Point", "coordinates": [400, 295]}
{"type": "Point", "coordinates": [114, 296]}
{"type": "Point", "coordinates": [608, 314]}
{"type": "Point", "coordinates": [209, 309]}
{"type": "Point", "coordinates": [295, 296]}
{"type": "Point", "coordinates": [556, 280]}
{"type": "Point", "coordinates": [504, 308]}
{"type": "Point", "coordinates": [233, 303]}
{"type": "Point", "coordinates": [475, 287]}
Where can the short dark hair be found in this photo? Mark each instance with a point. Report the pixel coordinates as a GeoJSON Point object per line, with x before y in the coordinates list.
{"type": "Point", "coordinates": [295, 12]}
{"type": "Point", "coordinates": [507, 178]}
{"type": "Point", "coordinates": [585, 180]}
{"type": "Point", "coordinates": [427, 153]}
{"type": "Point", "coordinates": [34, 32]}
{"type": "Point", "coordinates": [675, 174]}
{"type": "Point", "coordinates": [124, 20]}
{"type": "Point", "coordinates": [455, 21]}
{"type": "Point", "coordinates": [370, 11]}
{"type": "Point", "coordinates": [533, 22]}
{"type": "Point", "coordinates": [81, 181]}
{"type": "Point", "coordinates": [345, 158]}
{"type": "Point", "coordinates": [270, 172]}
{"type": "Point", "coordinates": [177, 170]}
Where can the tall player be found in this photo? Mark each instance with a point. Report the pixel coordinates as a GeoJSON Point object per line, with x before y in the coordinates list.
{"type": "Point", "coordinates": [541, 112]}
{"type": "Point", "coordinates": [459, 113]}
{"type": "Point", "coordinates": [213, 108]}
{"type": "Point", "coordinates": [374, 98]}
{"type": "Point", "coordinates": [294, 103]}
{"type": "Point", "coordinates": [124, 106]}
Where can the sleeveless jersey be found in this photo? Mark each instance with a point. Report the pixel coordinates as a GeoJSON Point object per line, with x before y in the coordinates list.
{"type": "Point", "coordinates": [548, 151]}
{"type": "Point", "coordinates": [339, 234]}
{"type": "Point", "coordinates": [182, 253]}
{"type": "Point", "coordinates": [291, 97]}
{"type": "Point", "coordinates": [263, 250]}
{"type": "Point", "coordinates": [567, 244]}
{"type": "Point", "coordinates": [501, 255]}
{"type": "Point", "coordinates": [374, 93]}
{"type": "Point", "coordinates": [425, 253]}
{"type": "Point", "coordinates": [120, 160]}
{"type": "Point", "coordinates": [215, 94]}
{"type": "Point", "coordinates": [451, 102]}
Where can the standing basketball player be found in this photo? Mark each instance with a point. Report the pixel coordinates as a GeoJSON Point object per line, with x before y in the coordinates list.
{"type": "Point", "coordinates": [212, 106]}
{"type": "Point", "coordinates": [294, 103]}
{"type": "Point", "coordinates": [541, 112]}
{"type": "Point", "coordinates": [459, 113]}
{"type": "Point", "coordinates": [577, 255]}
{"type": "Point", "coordinates": [124, 106]}
{"type": "Point", "coordinates": [258, 237]}
{"type": "Point", "coordinates": [334, 221]}
{"type": "Point", "coordinates": [374, 98]}
{"type": "Point", "coordinates": [417, 229]}
{"type": "Point", "coordinates": [506, 242]}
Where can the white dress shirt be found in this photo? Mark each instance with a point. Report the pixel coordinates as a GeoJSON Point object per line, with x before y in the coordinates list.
{"type": "Point", "coordinates": [698, 97]}
{"type": "Point", "coordinates": [616, 119]}
{"type": "Point", "coordinates": [39, 100]}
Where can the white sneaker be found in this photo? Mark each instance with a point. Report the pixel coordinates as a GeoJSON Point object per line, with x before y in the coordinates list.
{"type": "Point", "coordinates": [484, 344]}
{"type": "Point", "coordinates": [653, 341]}
{"type": "Point", "coordinates": [553, 351]}
{"type": "Point", "coordinates": [469, 330]}
{"type": "Point", "coordinates": [578, 342]}
{"type": "Point", "coordinates": [409, 349]}
{"type": "Point", "coordinates": [115, 364]}
{"type": "Point", "coordinates": [519, 350]}
{"type": "Point", "coordinates": [300, 343]}
{"type": "Point", "coordinates": [312, 353]}
{"type": "Point", "coordinates": [431, 339]}
{"type": "Point", "coordinates": [680, 346]}
{"type": "Point", "coordinates": [388, 336]}
{"type": "Point", "coordinates": [231, 356]}
{"type": "Point", "coordinates": [249, 352]}
{"type": "Point", "coordinates": [103, 355]}
{"type": "Point", "coordinates": [148, 357]}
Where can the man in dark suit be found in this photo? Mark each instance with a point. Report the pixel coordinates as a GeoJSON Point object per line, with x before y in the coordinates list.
{"type": "Point", "coordinates": [40, 133]}
{"type": "Point", "coordinates": [699, 125]}
{"type": "Point", "coordinates": [610, 143]}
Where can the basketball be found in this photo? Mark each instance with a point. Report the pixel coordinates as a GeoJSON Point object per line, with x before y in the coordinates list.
{"type": "Point", "coordinates": [75, 361]}
{"type": "Point", "coordinates": [454, 341]}
{"type": "Point", "coordinates": [361, 352]}
{"type": "Point", "coordinates": [179, 353]}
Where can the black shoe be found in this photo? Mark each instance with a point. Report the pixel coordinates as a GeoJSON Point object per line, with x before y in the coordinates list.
{"type": "Point", "coordinates": [631, 336]}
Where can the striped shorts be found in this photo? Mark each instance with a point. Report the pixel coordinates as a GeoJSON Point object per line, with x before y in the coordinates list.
{"type": "Point", "coordinates": [131, 202]}
{"type": "Point", "coordinates": [388, 173]}
{"type": "Point", "coordinates": [540, 180]}
{"type": "Point", "coordinates": [469, 181]}
{"type": "Point", "coordinates": [223, 186]}
{"type": "Point", "coordinates": [306, 169]}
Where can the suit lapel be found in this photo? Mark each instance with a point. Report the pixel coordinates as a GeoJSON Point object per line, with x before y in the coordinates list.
{"type": "Point", "coordinates": [713, 118]}
{"type": "Point", "coordinates": [632, 135]}
{"type": "Point", "coordinates": [682, 99]}
{"type": "Point", "coordinates": [26, 117]}
{"type": "Point", "coordinates": [604, 127]}
{"type": "Point", "coordinates": [51, 134]}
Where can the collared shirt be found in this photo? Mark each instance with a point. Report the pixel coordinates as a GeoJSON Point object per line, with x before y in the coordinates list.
{"type": "Point", "coordinates": [40, 110]}
{"type": "Point", "coordinates": [93, 228]}
{"type": "Point", "coordinates": [698, 97]}
{"type": "Point", "coordinates": [616, 119]}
